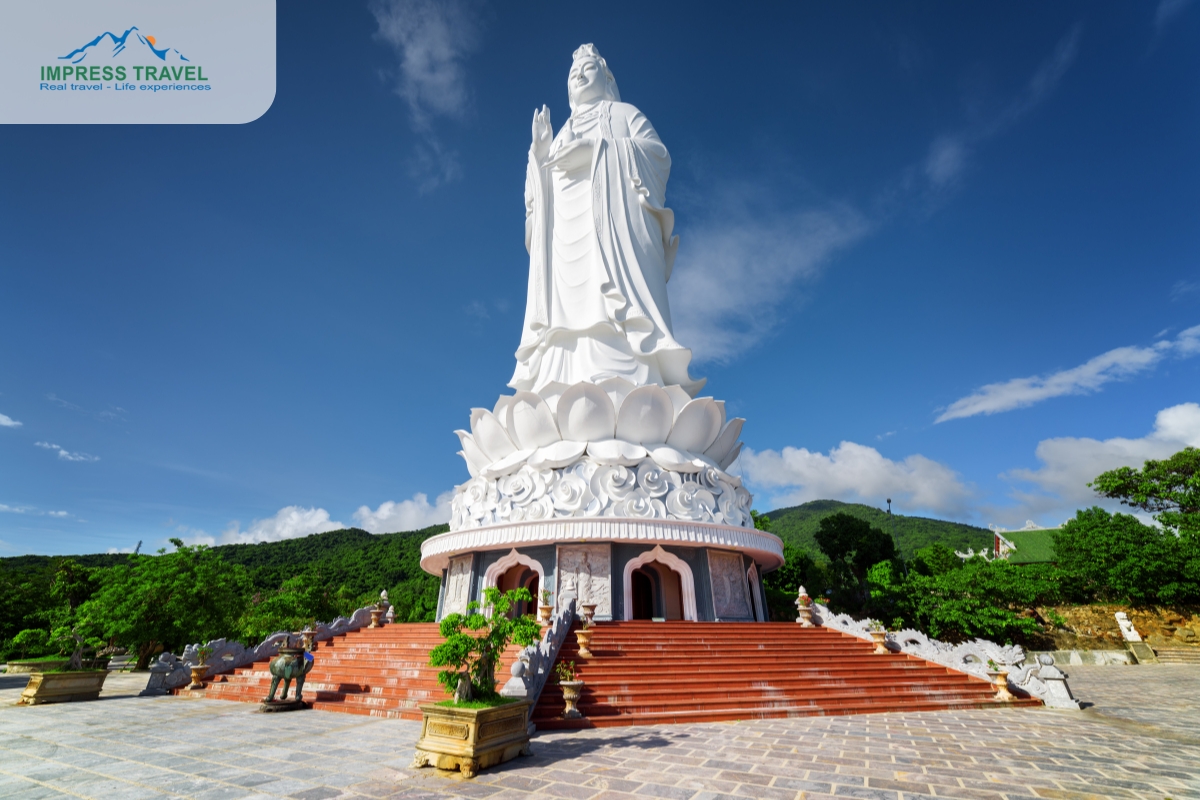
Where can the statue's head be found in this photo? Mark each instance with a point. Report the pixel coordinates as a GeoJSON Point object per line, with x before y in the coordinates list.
{"type": "Point", "coordinates": [590, 78]}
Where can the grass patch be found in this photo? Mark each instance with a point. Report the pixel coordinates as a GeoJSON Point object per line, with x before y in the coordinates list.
{"type": "Point", "coordinates": [38, 660]}
{"type": "Point", "coordinates": [489, 703]}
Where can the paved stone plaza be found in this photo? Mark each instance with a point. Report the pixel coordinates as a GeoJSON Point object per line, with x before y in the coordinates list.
{"type": "Point", "coordinates": [1140, 737]}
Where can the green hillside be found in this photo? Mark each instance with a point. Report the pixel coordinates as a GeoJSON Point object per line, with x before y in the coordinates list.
{"type": "Point", "coordinates": [797, 525]}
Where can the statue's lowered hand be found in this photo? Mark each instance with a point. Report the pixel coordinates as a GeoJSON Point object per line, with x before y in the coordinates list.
{"type": "Point", "coordinates": [543, 133]}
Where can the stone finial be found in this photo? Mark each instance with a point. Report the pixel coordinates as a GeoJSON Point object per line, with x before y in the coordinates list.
{"type": "Point", "coordinates": [1058, 694]}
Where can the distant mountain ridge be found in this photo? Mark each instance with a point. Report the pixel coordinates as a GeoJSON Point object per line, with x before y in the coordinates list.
{"type": "Point", "coordinates": [798, 524]}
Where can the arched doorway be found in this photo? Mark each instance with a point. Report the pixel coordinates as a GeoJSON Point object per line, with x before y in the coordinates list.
{"type": "Point", "coordinates": [663, 586]}
{"type": "Point", "coordinates": [643, 595]}
{"type": "Point", "coordinates": [657, 592]}
{"type": "Point", "coordinates": [516, 577]}
{"type": "Point", "coordinates": [512, 571]}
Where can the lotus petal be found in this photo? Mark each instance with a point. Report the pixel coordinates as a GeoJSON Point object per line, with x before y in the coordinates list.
{"type": "Point", "coordinates": [559, 454]}
{"type": "Point", "coordinates": [474, 473]}
{"type": "Point", "coordinates": [509, 464]}
{"type": "Point", "coordinates": [645, 416]}
{"type": "Point", "coordinates": [490, 435]}
{"type": "Point", "coordinates": [500, 411]}
{"type": "Point", "coordinates": [476, 460]}
{"type": "Point", "coordinates": [679, 398]}
{"type": "Point", "coordinates": [721, 407]}
{"type": "Point", "coordinates": [729, 459]}
{"type": "Point", "coordinates": [725, 442]}
{"type": "Point", "coordinates": [551, 392]}
{"type": "Point", "coordinates": [530, 421]}
{"type": "Point", "coordinates": [585, 414]}
{"type": "Point", "coordinates": [615, 451]}
{"type": "Point", "coordinates": [697, 426]}
{"type": "Point", "coordinates": [616, 389]}
{"type": "Point", "coordinates": [673, 458]}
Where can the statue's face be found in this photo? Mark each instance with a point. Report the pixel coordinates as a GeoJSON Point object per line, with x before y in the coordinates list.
{"type": "Point", "coordinates": [586, 82]}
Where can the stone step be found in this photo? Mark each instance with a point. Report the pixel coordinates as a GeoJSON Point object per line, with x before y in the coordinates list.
{"type": "Point", "coordinates": [1178, 655]}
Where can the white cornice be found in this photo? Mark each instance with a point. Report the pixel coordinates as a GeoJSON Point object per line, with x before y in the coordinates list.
{"type": "Point", "coordinates": [764, 548]}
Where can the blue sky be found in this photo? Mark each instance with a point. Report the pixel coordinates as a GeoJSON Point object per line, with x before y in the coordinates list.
{"type": "Point", "coordinates": [958, 247]}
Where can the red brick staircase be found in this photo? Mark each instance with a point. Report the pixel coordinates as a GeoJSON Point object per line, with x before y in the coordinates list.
{"type": "Point", "coordinates": [381, 672]}
{"type": "Point", "coordinates": [643, 673]}
{"type": "Point", "coordinates": [646, 673]}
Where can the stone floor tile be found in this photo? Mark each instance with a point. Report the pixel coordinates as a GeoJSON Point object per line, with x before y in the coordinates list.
{"type": "Point", "coordinates": [660, 790]}
{"type": "Point", "coordinates": [319, 793]}
{"type": "Point", "coordinates": [613, 783]}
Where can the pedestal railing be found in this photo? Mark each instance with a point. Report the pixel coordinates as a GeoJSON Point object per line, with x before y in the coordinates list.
{"type": "Point", "coordinates": [1042, 680]}
{"type": "Point", "coordinates": [533, 666]}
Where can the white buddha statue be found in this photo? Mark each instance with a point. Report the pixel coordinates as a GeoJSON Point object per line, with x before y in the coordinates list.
{"type": "Point", "coordinates": [600, 244]}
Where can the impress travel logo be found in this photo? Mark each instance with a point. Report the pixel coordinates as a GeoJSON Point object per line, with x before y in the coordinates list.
{"type": "Point", "coordinates": [188, 61]}
{"type": "Point", "coordinates": [111, 61]}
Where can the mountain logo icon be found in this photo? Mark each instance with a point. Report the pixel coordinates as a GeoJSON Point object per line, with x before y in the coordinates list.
{"type": "Point", "coordinates": [131, 47]}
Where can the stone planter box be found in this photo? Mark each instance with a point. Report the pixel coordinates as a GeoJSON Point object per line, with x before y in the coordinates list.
{"type": "Point", "coordinates": [471, 739]}
{"type": "Point", "coordinates": [62, 687]}
{"type": "Point", "coordinates": [15, 667]}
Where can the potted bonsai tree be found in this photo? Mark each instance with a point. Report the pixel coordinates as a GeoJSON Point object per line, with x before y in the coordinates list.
{"type": "Point", "coordinates": [477, 728]}
{"type": "Point", "coordinates": [571, 688]}
{"type": "Point", "coordinates": [545, 609]}
{"type": "Point", "coordinates": [68, 684]}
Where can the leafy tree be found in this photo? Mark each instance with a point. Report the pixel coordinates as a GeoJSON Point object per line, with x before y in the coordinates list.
{"type": "Point", "coordinates": [885, 585]}
{"type": "Point", "coordinates": [168, 600]}
{"type": "Point", "coordinates": [761, 521]}
{"type": "Point", "coordinates": [853, 546]}
{"type": "Point", "coordinates": [1170, 489]}
{"type": "Point", "coordinates": [476, 640]}
{"type": "Point", "coordinates": [31, 642]}
{"type": "Point", "coordinates": [73, 583]}
{"type": "Point", "coordinates": [799, 569]}
{"type": "Point", "coordinates": [986, 599]}
{"type": "Point", "coordinates": [1115, 557]}
{"type": "Point", "coordinates": [300, 601]}
{"type": "Point", "coordinates": [936, 559]}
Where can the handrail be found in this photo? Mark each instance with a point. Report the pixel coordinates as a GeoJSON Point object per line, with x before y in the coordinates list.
{"type": "Point", "coordinates": [534, 664]}
{"type": "Point", "coordinates": [1043, 680]}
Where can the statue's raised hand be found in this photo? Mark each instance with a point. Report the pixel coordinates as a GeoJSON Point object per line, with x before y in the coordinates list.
{"type": "Point", "coordinates": [543, 133]}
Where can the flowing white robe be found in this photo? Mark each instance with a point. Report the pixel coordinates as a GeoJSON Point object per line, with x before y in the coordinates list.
{"type": "Point", "coordinates": [600, 254]}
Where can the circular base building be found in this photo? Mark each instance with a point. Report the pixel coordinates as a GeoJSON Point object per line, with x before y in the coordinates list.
{"type": "Point", "coordinates": [610, 494]}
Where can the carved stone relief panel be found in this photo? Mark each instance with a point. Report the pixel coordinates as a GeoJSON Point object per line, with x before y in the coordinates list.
{"type": "Point", "coordinates": [731, 596]}
{"type": "Point", "coordinates": [458, 585]}
{"type": "Point", "coordinates": [584, 572]}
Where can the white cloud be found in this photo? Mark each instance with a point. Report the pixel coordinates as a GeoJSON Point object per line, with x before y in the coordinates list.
{"type": "Point", "coordinates": [1118, 364]}
{"type": "Point", "coordinates": [8, 422]}
{"type": "Point", "coordinates": [64, 454]}
{"type": "Point", "coordinates": [1069, 464]}
{"type": "Point", "coordinates": [58, 514]}
{"type": "Point", "coordinates": [116, 550]}
{"type": "Point", "coordinates": [948, 153]}
{"type": "Point", "coordinates": [1184, 289]}
{"type": "Point", "coordinates": [856, 473]}
{"type": "Point", "coordinates": [291, 522]}
{"type": "Point", "coordinates": [735, 271]}
{"type": "Point", "coordinates": [432, 39]}
{"type": "Point", "coordinates": [947, 156]}
{"type": "Point", "coordinates": [6, 509]}
{"type": "Point", "coordinates": [1166, 11]}
{"type": "Point", "coordinates": [407, 515]}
